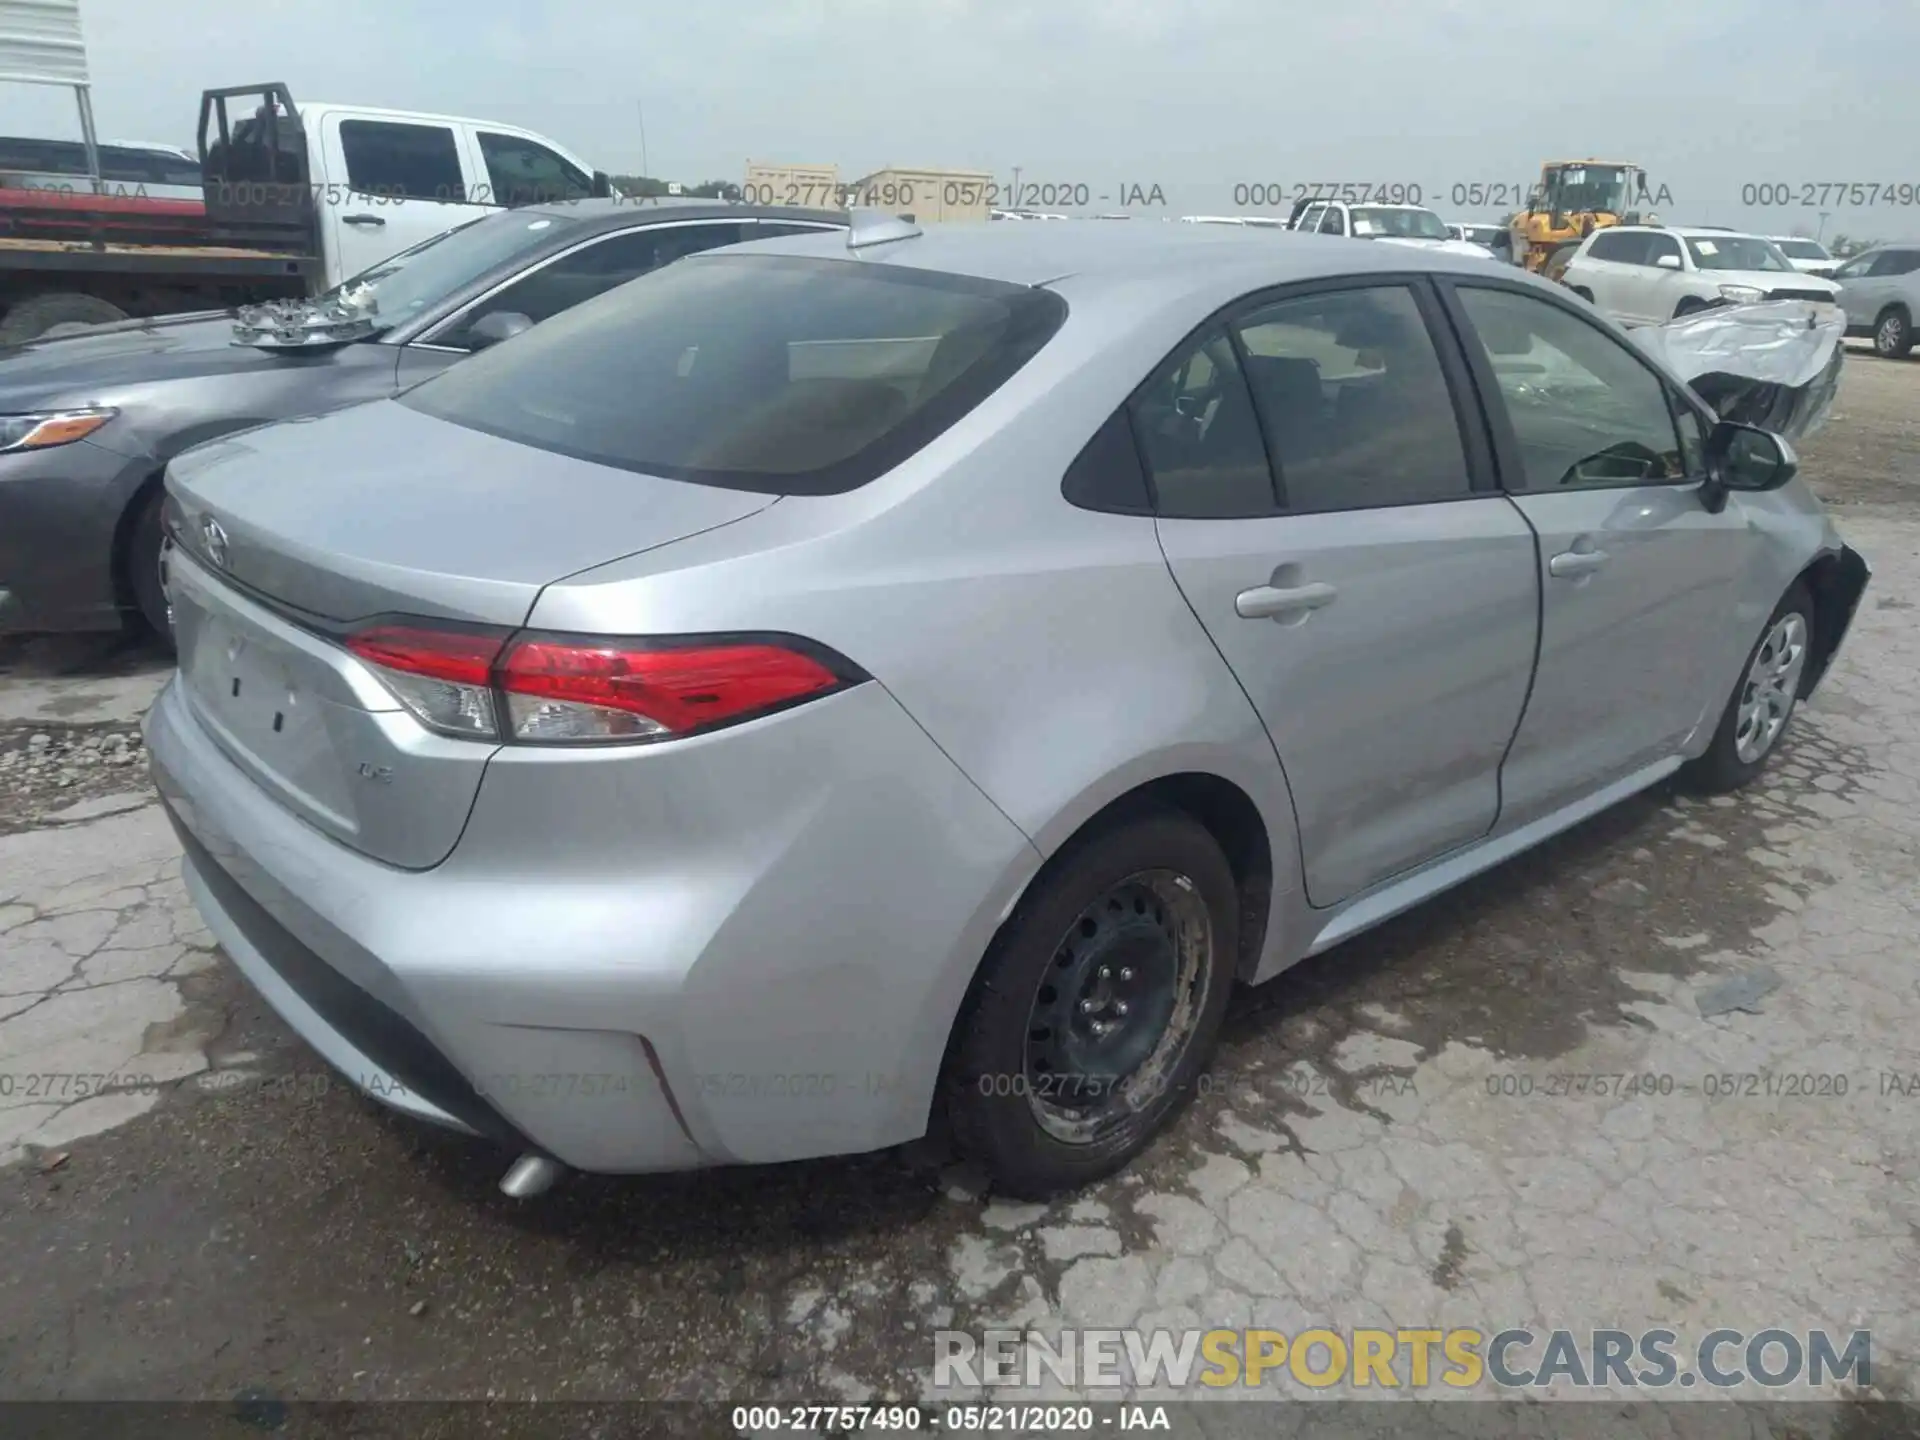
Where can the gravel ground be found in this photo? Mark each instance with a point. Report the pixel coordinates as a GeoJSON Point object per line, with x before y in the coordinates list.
{"type": "Point", "coordinates": [225, 1222]}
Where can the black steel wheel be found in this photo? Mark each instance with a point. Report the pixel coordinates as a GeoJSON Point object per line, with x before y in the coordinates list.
{"type": "Point", "coordinates": [1094, 1014]}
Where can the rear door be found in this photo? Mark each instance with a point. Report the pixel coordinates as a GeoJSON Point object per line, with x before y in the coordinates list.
{"type": "Point", "coordinates": [1374, 595]}
{"type": "Point", "coordinates": [1853, 281]}
{"type": "Point", "coordinates": [1609, 270]}
{"type": "Point", "coordinates": [404, 182]}
{"type": "Point", "coordinates": [1636, 576]}
{"type": "Point", "coordinates": [1662, 280]}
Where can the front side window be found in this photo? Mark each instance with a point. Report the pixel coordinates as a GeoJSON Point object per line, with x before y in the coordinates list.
{"type": "Point", "coordinates": [1333, 222]}
{"type": "Point", "coordinates": [1658, 248]}
{"type": "Point", "coordinates": [1586, 411]}
{"type": "Point", "coordinates": [1895, 262]}
{"type": "Point", "coordinates": [1200, 438]}
{"type": "Point", "coordinates": [525, 172]}
{"type": "Point", "coordinates": [772, 373]}
{"type": "Point", "coordinates": [564, 283]}
{"type": "Point", "coordinates": [1735, 252]}
{"type": "Point", "coordinates": [1353, 401]}
{"type": "Point", "coordinates": [413, 162]}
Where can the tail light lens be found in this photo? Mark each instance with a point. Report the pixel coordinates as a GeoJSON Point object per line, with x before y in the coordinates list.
{"type": "Point", "coordinates": [443, 676]}
{"type": "Point", "coordinates": [569, 690]}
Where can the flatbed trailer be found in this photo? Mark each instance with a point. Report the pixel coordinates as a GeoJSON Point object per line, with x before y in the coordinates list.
{"type": "Point", "coordinates": [75, 258]}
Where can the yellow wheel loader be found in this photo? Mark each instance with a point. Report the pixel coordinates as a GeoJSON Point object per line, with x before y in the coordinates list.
{"type": "Point", "coordinates": [1573, 199]}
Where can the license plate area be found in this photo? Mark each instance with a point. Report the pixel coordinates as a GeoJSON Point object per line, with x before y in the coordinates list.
{"type": "Point", "coordinates": [251, 693]}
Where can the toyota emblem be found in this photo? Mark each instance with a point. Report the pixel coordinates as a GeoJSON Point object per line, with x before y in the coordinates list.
{"type": "Point", "coordinates": [213, 538]}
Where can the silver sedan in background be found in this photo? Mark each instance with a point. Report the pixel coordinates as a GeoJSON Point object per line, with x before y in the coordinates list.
{"type": "Point", "coordinates": [834, 682]}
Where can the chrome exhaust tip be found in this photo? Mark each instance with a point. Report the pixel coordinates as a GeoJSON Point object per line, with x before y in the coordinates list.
{"type": "Point", "coordinates": [531, 1175]}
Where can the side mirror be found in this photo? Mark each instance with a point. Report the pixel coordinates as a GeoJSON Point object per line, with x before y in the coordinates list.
{"type": "Point", "coordinates": [602, 185]}
{"type": "Point", "coordinates": [492, 328]}
{"type": "Point", "coordinates": [1747, 458]}
{"type": "Point", "coordinates": [1668, 262]}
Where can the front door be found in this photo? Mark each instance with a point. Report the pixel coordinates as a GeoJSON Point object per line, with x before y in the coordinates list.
{"type": "Point", "coordinates": [404, 182]}
{"type": "Point", "coordinates": [1377, 609]}
{"type": "Point", "coordinates": [1638, 579]}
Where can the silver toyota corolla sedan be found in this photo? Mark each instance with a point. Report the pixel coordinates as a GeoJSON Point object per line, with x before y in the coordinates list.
{"type": "Point", "coordinates": [834, 683]}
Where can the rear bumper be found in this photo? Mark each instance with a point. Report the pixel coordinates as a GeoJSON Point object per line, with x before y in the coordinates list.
{"type": "Point", "coordinates": [60, 512]}
{"type": "Point", "coordinates": [747, 947]}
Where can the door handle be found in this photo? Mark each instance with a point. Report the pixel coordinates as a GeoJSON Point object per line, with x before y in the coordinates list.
{"type": "Point", "coordinates": [364, 219]}
{"type": "Point", "coordinates": [1569, 564]}
{"type": "Point", "coordinates": [1266, 602]}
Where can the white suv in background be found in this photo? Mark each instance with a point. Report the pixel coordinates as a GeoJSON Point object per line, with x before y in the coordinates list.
{"type": "Point", "coordinates": [1395, 224]}
{"type": "Point", "coordinates": [1809, 257]}
{"type": "Point", "coordinates": [1647, 275]}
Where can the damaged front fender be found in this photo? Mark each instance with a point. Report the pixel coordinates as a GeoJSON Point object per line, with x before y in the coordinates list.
{"type": "Point", "coordinates": [1775, 364]}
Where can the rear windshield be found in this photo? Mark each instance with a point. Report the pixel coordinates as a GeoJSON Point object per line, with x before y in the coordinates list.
{"type": "Point", "coordinates": [756, 372]}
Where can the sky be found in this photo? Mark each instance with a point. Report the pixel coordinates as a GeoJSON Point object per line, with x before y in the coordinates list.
{"type": "Point", "coordinates": [1198, 97]}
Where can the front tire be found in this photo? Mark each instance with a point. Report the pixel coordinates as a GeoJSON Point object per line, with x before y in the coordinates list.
{"type": "Point", "coordinates": [1893, 335]}
{"type": "Point", "coordinates": [1762, 702]}
{"type": "Point", "coordinates": [143, 569]}
{"type": "Point", "coordinates": [1097, 1008]}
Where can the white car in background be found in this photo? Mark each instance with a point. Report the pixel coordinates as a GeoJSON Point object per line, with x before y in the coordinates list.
{"type": "Point", "coordinates": [1412, 225]}
{"type": "Point", "coordinates": [1809, 257]}
{"type": "Point", "coordinates": [1650, 274]}
{"type": "Point", "coordinates": [1475, 232]}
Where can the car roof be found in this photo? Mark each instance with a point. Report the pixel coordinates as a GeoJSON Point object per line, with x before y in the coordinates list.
{"type": "Point", "coordinates": [1161, 263]}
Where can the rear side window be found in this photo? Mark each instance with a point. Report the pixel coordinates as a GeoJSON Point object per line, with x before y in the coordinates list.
{"type": "Point", "coordinates": [1624, 249]}
{"type": "Point", "coordinates": [1353, 400]}
{"type": "Point", "coordinates": [414, 162]}
{"type": "Point", "coordinates": [773, 373]}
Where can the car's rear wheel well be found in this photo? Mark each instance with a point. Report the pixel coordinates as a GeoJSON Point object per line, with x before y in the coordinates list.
{"type": "Point", "coordinates": [1230, 816]}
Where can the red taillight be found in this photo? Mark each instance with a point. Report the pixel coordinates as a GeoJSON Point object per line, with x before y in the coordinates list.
{"type": "Point", "coordinates": [464, 657]}
{"type": "Point", "coordinates": [566, 689]}
{"type": "Point", "coordinates": [672, 690]}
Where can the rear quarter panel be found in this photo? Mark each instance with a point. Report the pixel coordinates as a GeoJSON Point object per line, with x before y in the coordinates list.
{"type": "Point", "coordinates": [1044, 648]}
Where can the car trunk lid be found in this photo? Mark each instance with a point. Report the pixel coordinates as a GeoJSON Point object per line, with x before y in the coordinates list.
{"type": "Point", "coordinates": [295, 534]}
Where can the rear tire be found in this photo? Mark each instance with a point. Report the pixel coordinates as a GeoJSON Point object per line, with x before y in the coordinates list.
{"type": "Point", "coordinates": [1763, 700]}
{"type": "Point", "coordinates": [143, 569]}
{"type": "Point", "coordinates": [1893, 334]}
{"type": "Point", "coordinates": [1097, 1008]}
{"type": "Point", "coordinates": [33, 317]}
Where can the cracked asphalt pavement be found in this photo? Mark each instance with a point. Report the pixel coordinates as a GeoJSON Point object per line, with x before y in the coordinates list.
{"type": "Point", "coordinates": [1397, 1133]}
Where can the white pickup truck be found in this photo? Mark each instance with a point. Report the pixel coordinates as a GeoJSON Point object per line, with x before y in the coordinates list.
{"type": "Point", "coordinates": [295, 199]}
